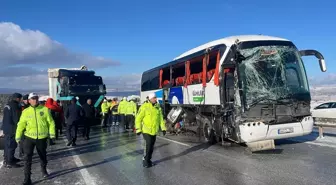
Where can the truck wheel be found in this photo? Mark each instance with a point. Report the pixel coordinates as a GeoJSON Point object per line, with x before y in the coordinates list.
{"type": "Point", "coordinates": [209, 134]}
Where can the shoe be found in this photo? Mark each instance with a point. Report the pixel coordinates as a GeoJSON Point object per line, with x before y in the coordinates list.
{"type": "Point", "coordinates": [16, 160]}
{"type": "Point", "coordinates": [12, 166]}
{"type": "Point", "coordinates": [69, 143]}
{"type": "Point", "coordinates": [74, 144]}
{"type": "Point", "coordinates": [27, 182]}
{"type": "Point", "coordinates": [45, 173]}
{"type": "Point", "coordinates": [147, 164]}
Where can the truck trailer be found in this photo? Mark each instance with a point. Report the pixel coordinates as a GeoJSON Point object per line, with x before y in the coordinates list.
{"type": "Point", "coordinates": [81, 83]}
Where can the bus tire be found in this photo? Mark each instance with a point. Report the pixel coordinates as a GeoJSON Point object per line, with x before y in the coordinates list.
{"type": "Point", "coordinates": [209, 134]}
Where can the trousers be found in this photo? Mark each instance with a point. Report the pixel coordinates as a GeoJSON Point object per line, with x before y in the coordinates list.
{"type": "Point", "coordinates": [10, 146]}
{"type": "Point", "coordinates": [87, 126]}
{"type": "Point", "coordinates": [58, 129]}
{"type": "Point", "coordinates": [105, 120]}
{"type": "Point", "coordinates": [41, 148]}
{"type": "Point", "coordinates": [72, 132]}
{"type": "Point", "coordinates": [21, 146]}
{"type": "Point", "coordinates": [149, 148]}
{"type": "Point", "coordinates": [129, 121]}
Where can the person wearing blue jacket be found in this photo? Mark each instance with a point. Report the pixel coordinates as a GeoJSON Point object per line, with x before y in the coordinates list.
{"type": "Point", "coordinates": [12, 113]}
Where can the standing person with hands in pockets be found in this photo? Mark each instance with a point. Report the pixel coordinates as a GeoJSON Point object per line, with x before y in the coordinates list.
{"type": "Point", "coordinates": [148, 122]}
{"type": "Point", "coordinates": [12, 113]}
{"type": "Point", "coordinates": [37, 124]}
{"type": "Point", "coordinates": [73, 114]}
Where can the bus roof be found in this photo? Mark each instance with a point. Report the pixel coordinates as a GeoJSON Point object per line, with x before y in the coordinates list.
{"type": "Point", "coordinates": [228, 41]}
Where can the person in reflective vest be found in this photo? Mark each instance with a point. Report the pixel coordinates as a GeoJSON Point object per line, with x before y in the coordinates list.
{"type": "Point", "coordinates": [122, 112]}
{"type": "Point", "coordinates": [37, 124]}
{"type": "Point", "coordinates": [104, 110]}
{"type": "Point", "coordinates": [148, 122]}
{"type": "Point", "coordinates": [114, 110]}
{"type": "Point", "coordinates": [130, 112]}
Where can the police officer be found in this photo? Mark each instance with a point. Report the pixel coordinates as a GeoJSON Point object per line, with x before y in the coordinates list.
{"type": "Point", "coordinates": [12, 113]}
{"type": "Point", "coordinates": [122, 113]}
{"type": "Point", "coordinates": [131, 110]}
{"type": "Point", "coordinates": [114, 112]}
{"type": "Point", "coordinates": [148, 121]}
{"type": "Point", "coordinates": [105, 112]}
{"type": "Point", "coordinates": [37, 124]}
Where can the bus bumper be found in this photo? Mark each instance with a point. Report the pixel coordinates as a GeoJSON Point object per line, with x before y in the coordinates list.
{"type": "Point", "coordinates": [258, 131]}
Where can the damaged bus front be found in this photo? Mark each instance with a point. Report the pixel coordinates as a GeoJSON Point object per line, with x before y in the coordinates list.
{"type": "Point", "coordinates": [271, 94]}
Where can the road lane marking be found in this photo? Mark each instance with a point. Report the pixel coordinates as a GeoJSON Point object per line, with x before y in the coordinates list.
{"type": "Point", "coordinates": [84, 172]}
{"type": "Point", "coordinates": [314, 143]}
{"type": "Point", "coordinates": [1, 164]}
{"type": "Point", "coordinates": [177, 142]}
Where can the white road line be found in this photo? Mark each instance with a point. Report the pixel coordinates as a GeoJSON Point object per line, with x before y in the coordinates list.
{"type": "Point", "coordinates": [84, 172]}
{"type": "Point", "coordinates": [295, 140]}
{"type": "Point", "coordinates": [177, 142]}
{"type": "Point", "coordinates": [1, 164]}
{"type": "Point", "coordinates": [314, 143]}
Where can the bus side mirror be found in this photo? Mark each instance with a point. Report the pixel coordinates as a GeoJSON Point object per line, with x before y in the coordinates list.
{"type": "Point", "coordinates": [318, 55]}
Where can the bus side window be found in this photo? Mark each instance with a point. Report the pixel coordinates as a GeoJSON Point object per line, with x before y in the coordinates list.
{"type": "Point", "coordinates": [229, 85]}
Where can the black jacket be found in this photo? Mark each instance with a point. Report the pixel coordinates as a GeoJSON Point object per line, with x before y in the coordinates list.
{"type": "Point", "coordinates": [73, 114]}
{"type": "Point", "coordinates": [89, 110]}
{"type": "Point", "coordinates": [11, 117]}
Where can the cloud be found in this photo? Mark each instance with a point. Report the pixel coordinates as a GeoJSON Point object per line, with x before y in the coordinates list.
{"type": "Point", "coordinates": [26, 54]}
{"type": "Point", "coordinates": [26, 47]}
{"type": "Point", "coordinates": [20, 71]}
{"type": "Point", "coordinates": [128, 82]}
{"type": "Point", "coordinates": [36, 82]}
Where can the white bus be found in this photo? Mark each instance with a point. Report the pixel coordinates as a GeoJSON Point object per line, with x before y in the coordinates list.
{"type": "Point", "coordinates": [249, 89]}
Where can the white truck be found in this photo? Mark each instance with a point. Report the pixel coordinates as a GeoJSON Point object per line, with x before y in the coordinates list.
{"type": "Point", "coordinates": [67, 83]}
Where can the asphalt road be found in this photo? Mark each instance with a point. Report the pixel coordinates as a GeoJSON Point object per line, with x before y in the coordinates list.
{"type": "Point", "coordinates": [114, 158]}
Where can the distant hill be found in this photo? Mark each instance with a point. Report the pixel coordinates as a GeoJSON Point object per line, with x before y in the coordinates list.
{"type": "Point", "coordinates": [22, 91]}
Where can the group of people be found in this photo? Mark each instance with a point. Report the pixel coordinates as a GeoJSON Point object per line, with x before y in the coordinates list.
{"type": "Point", "coordinates": [31, 125]}
{"type": "Point", "coordinates": [114, 112]}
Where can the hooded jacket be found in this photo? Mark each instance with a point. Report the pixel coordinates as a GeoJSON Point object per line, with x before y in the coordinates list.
{"type": "Point", "coordinates": [11, 116]}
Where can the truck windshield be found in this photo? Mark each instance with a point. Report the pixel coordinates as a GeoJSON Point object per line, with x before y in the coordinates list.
{"type": "Point", "coordinates": [85, 80]}
{"type": "Point", "coordinates": [272, 71]}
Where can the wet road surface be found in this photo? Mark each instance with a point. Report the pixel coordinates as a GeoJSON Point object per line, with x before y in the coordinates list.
{"type": "Point", "coordinates": [110, 157]}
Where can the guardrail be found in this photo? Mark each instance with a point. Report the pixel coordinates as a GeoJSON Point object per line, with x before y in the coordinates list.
{"type": "Point", "coordinates": [324, 122]}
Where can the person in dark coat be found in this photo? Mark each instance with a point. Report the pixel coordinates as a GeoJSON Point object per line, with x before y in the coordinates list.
{"type": "Point", "coordinates": [73, 115]}
{"type": "Point", "coordinates": [25, 104]}
{"type": "Point", "coordinates": [12, 113]}
{"type": "Point", "coordinates": [89, 111]}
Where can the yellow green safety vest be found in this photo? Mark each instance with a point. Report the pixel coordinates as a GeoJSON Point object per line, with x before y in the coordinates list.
{"type": "Point", "coordinates": [149, 119]}
{"type": "Point", "coordinates": [36, 123]}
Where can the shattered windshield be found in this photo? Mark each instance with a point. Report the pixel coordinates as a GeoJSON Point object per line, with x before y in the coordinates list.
{"type": "Point", "coordinates": [272, 72]}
